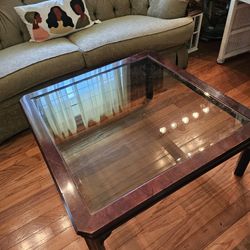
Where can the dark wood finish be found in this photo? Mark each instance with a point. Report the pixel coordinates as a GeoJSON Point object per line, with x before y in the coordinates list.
{"type": "Point", "coordinates": [97, 243]}
{"type": "Point", "coordinates": [243, 162]}
{"type": "Point", "coordinates": [205, 214]}
{"type": "Point", "coordinates": [107, 219]}
{"type": "Point", "coordinates": [149, 82]}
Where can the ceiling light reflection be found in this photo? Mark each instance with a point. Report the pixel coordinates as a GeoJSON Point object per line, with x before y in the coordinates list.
{"type": "Point", "coordinates": [206, 110]}
{"type": "Point", "coordinates": [70, 187]}
{"type": "Point", "coordinates": [196, 115]}
{"type": "Point", "coordinates": [173, 125]}
{"type": "Point", "coordinates": [185, 120]}
{"type": "Point", "coordinates": [163, 130]}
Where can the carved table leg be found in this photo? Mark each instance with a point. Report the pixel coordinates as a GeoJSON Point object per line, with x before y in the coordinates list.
{"type": "Point", "coordinates": [97, 243]}
{"type": "Point", "coordinates": [242, 162]}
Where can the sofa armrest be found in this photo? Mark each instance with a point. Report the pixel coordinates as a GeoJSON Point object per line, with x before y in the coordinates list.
{"type": "Point", "coordinates": [167, 9]}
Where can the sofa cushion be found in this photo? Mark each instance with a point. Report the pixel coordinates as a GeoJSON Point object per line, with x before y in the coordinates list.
{"type": "Point", "coordinates": [139, 7]}
{"type": "Point", "coordinates": [123, 36]}
{"type": "Point", "coordinates": [12, 29]}
{"type": "Point", "coordinates": [54, 18]}
{"type": "Point", "coordinates": [27, 64]}
{"type": "Point", "coordinates": [106, 9]}
{"type": "Point", "coordinates": [167, 8]}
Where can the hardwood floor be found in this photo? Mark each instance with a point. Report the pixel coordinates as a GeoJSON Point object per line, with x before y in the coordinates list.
{"type": "Point", "coordinates": [211, 213]}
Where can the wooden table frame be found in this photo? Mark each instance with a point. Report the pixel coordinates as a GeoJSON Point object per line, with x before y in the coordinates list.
{"type": "Point", "coordinates": [95, 228]}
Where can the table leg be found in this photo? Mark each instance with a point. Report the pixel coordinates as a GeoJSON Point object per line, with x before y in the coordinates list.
{"type": "Point", "coordinates": [97, 243]}
{"type": "Point", "coordinates": [149, 82]}
{"type": "Point", "coordinates": [242, 162]}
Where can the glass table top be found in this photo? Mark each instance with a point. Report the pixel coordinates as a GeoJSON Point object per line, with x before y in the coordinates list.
{"type": "Point", "coordinates": [121, 125]}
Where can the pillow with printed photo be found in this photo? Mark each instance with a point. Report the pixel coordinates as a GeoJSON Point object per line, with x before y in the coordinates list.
{"type": "Point", "coordinates": [54, 18]}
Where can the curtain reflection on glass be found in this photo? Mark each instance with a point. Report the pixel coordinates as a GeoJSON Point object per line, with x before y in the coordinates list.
{"type": "Point", "coordinates": [93, 96]}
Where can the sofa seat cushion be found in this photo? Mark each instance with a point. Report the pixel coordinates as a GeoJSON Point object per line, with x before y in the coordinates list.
{"type": "Point", "coordinates": [27, 64]}
{"type": "Point", "coordinates": [122, 36]}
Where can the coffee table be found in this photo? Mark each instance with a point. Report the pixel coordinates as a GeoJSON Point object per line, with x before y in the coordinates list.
{"type": "Point", "coordinates": [122, 137]}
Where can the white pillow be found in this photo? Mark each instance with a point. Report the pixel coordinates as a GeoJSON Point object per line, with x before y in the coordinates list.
{"type": "Point", "coordinates": [54, 18]}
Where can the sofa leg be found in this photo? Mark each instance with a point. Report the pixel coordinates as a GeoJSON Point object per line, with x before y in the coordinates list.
{"type": "Point", "coordinates": [182, 57]}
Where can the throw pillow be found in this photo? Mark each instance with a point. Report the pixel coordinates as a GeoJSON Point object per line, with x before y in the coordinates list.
{"type": "Point", "coordinates": [54, 18]}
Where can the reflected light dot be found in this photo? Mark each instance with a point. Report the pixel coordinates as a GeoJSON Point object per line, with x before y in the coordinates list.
{"type": "Point", "coordinates": [178, 159]}
{"type": "Point", "coordinates": [206, 110]}
{"type": "Point", "coordinates": [161, 163]}
{"type": "Point", "coordinates": [195, 115]}
{"type": "Point", "coordinates": [201, 149]}
{"type": "Point", "coordinates": [189, 154]}
{"type": "Point", "coordinates": [163, 130]}
{"type": "Point", "coordinates": [70, 187]}
{"type": "Point", "coordinates": [206, 94]}
{"type": "Point", "coordinates": [185, 120]}
{"type": "Point", "coordinates": [173, 125]}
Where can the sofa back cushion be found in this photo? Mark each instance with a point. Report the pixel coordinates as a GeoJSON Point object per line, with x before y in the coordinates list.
{"type": "Point", "coordinates": [167, 9]}
{"type": "Point", "coordinates": [139, 7]}
{"type": "Point", "coordinates": [12, 29]}
{"type": "Point", "coordinates": [107, 9]}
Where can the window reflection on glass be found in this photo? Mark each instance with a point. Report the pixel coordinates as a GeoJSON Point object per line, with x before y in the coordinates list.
{"type": "Point", "coordinates": [90, 100]}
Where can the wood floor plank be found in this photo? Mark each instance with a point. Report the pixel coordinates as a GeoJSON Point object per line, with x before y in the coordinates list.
{"type": "Point", "coordinates": [233, 236]}
{"type": "Point", "coordinates": [78, 244]}
{"type": "Point", "coordinates": [214, 227]}
{"type": "Point", "coordinates": [32, 227]}
{"type": "Point", "coordinates": [27, 210]}
{"type": "Point", "coordinates": [46, 235]}
{"type": "Point", "coordinates": [201, 208]}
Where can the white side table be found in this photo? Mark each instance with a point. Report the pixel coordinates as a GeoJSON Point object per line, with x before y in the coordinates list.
{"type": "Point", "coordinates": [194, 41]}
{"type": "Point", "coordinates": [236, 37]}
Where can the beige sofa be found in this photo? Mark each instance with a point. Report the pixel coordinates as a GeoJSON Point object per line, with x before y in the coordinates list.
{"type": "Point", "coordinates": [128, 27]}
